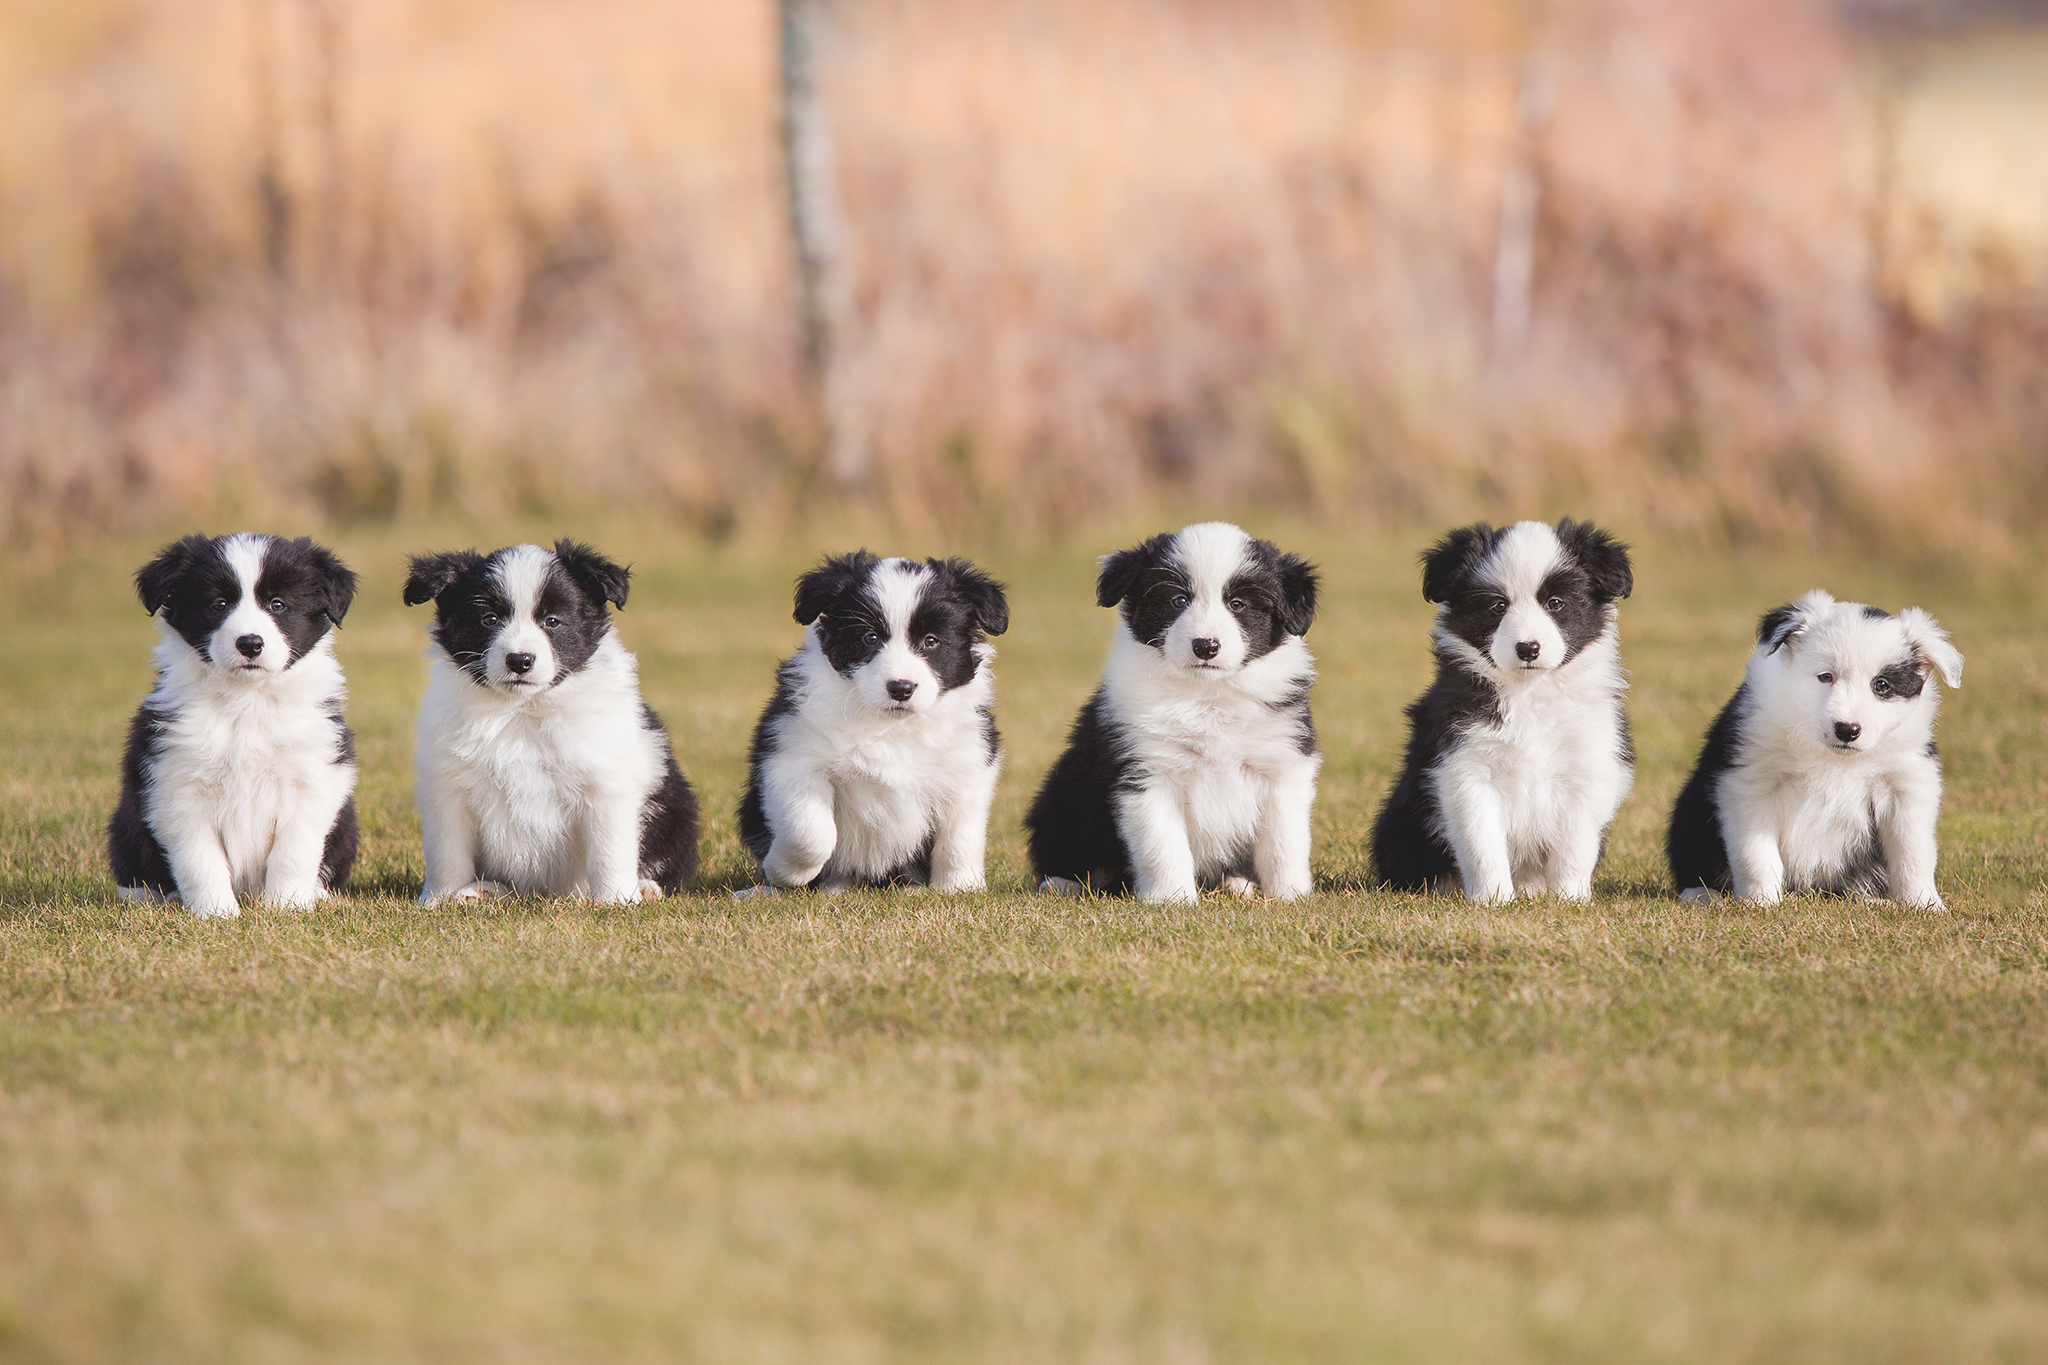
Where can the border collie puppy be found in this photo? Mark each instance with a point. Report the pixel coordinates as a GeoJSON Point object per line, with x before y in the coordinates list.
{"type": "Point", "coordinates": [1519, 752]}
{"type": "Point", "coordinates": [1194, 764]}
{"type": "Point", "coordinates": [240, 775]}
{"type": "Point", "coordinates": [1821, 773]}
{"type": "Point", "coordinates": [876, 759]}
{"type": "Point", "coordinates": [540, 768]}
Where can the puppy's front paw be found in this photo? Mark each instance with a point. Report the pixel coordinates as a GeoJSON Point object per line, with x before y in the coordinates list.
{"type": "Point", "coordinates": [650, 890]}
{"type": "Point", "coordinates": [1244, 888]}
{"type": "Point", "coordinates": [1062, 886]}
{"type": "Point", "coordinates": [215, 909]}
{"type": "Point", "coordinates": [478, 890]}
{"type": "Point", "coordinates": [146, 895]}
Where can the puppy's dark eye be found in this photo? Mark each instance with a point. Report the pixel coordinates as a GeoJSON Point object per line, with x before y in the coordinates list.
{"type": "Point", "coordinates": [1237, 604]}
{"type": "Point", "coordinates": [1882, 686]}
{"type": "Point", "coordinates": [1498, 606]}
{"type": "Point", "coordinates": [931, 642]}
{"type": "Point", "coordinates": [552, 622]}
{"type": "Point", "coordinates": [1827, 678]}
{"type": "Point", "coordinates": [1180, 600]}
{"type": "Point", "coordinates": [490, 618]}
{"type": "Point", "coordinates": [277, 604]}
{"type": "Point", "coordinates": [868, 637]}
{"type": "Point", "coordinates": [1554, 605]}
{"type": "Point", "coordinates": [220, 604]}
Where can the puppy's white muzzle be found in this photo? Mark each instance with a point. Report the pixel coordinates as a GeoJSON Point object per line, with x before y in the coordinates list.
{"type": "Point", "coordinates": [249, 643]}
{"type": "Point", "coordinates": [1526, 641]}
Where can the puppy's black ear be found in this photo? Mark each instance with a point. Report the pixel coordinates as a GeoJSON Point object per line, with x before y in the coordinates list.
{"type": "Point", "coordinates": [1115, 574]}
{"type": "Point", "coordinates": [156, 580]}
{"type": "Point", "coordinates": [982, 594]}
{"type": "Point", "coordinates": [835, 575]}
{"type": "Point", "coordinates": [592, 572]}
{"type": "Point", "coordinates": [1604, 558]}
{"type": "Point", "coordinates": [1298, 584]}
{"type": "Point", "coordinates": [431, 574]}
{"type": "Point", "coordinates": [1444, 563]}
{"type": "Point", "coordinates": [1782, 625]}
{"type": "Point", "coordinates": [337, 580]}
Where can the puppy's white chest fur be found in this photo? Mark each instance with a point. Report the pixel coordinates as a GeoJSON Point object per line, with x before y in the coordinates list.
{"type": "Point", "coordinates": [244, 758]}
{"type": "Point", "coordinates": [1222, 745]}
{"type": "Point", "coordinates": [1555, 759]}
{"type": "Point", "coordinates": [893, 777]}
{"type": "Point", "coordinates": [1823, 809]}
{"type": "Point", "coordinates": [528, 773]}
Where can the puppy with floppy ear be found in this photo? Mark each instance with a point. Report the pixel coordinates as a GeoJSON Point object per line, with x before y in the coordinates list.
{"type": "Point", "coordinates": [541, 769]}
{"type": "Point", "coordinates": [240, 773]}
{"type": "Point", "coordinates": [1519, 753]}
{"type": "Point", "coordinates": [875, 761]}
{"type": "Point", "coordinates": [1821, 773]}
{"type": "Point", "coordinates": [1194, 765]}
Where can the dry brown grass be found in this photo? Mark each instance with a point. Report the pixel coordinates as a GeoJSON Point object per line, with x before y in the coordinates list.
{"type": "Point", "coordinates": [364, 258]}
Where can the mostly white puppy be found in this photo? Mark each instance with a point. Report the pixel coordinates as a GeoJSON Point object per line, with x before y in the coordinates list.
{"type": "Point", "coordinates": [876, 759]}
{"type": "Point", "coordinates": [1194, 764]}
{"type": "Point", "coordinates": [1519, 752]}
{"type": "Point", "coordinates": [240, 773]}
{"type": "Point", "coordinates": [1821, 774]}
{"type": "Point", "coordinates": [541, 770]}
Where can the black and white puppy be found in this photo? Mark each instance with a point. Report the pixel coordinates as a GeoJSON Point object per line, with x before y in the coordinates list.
{"type": "Point", "coordinates": [1194, 764]}
{"type": "Point", "coordinates": [541, 770]}
{"type": "Point", "coordinates": [240, 774]}
{"type": "Point", "coordinates": [1519, 752]}
{"type": "Point", "coordinates": [1821, 774]}
{"type": "Point", "coordinates": [876, 759]}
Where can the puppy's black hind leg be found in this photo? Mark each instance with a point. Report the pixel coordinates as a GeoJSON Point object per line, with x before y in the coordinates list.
{"type": "Point", "coordinates": [668, 824]}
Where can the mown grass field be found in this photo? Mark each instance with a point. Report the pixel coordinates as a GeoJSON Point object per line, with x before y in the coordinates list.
{"type": "Point", "coordinates": [998, 1127]}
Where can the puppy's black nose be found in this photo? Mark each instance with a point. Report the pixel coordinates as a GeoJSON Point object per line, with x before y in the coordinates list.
{"type": "Point", "coordinates": [1846, 732]}
{"type": "Point", "coordinates": [519, 663]}
{"type": "Point", "coordinates": [1527, 650]}
{"type": "Point", "coordinates": [250, 645]}
{"type": "Point", "coordinates": [1206, 648]}
{"type": "Point", "coordinates": [901, 688]}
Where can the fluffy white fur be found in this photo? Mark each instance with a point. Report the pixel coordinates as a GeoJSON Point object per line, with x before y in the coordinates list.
{"type": "Point", "coordinates": [1525, 806]}
{"type": "Point", "coordinates": [857, 779]}
{"type": "Point", "coordinates": [1799, 803]}
{"type": "Point", "coordinates": [1213, 744]}
{"type": "Point", "coordinates": [243, 786]}
{"type": "Point", "coordinates": [1223, 768]}
{"type": "Point", "coordinates": [534, 788]}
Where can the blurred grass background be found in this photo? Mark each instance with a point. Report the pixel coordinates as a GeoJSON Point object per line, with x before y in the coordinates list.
{"type": "Point", "coordinates": [1748, 270]}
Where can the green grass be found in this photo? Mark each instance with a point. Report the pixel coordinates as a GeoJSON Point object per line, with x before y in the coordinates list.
{"type": "Point", "coordinates": [999, 1127]}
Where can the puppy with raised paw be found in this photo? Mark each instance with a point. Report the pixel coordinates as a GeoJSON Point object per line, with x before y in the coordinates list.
{"type": "Point", "coordinates": [1821, 773]}
{"type": "Point", "coordinates": [541, 769]}
{"type": "Point", "coordinates": [875, 761]}
{"type": "Point", "coordinates": [1194, 765]}
{"type": "Point", "coordinates": [1519, 752]}
{"type": "Point", "coordinates": [240, 774]}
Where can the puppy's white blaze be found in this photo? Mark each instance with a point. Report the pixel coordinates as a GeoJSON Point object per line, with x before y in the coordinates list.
{"type": "Point", "coordinates": [898, 587]}
{"type": "Point", "coordinates": [1527, 554]}
{"type": "Point", "coordinates": [249, 616]}
{"type": "Point", "coordinates": [1210, 554]}
{"type": "Point", "coordinates": [523, 576]}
